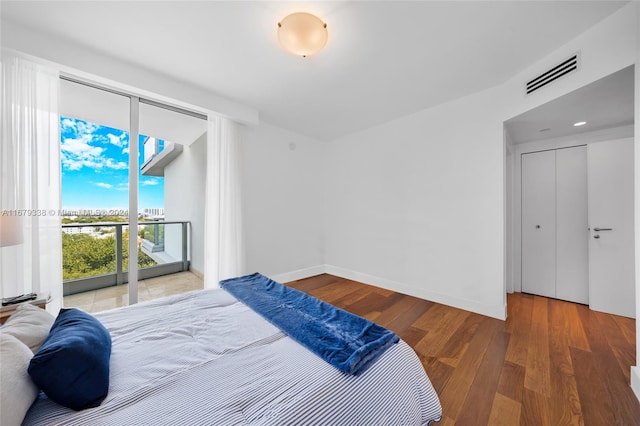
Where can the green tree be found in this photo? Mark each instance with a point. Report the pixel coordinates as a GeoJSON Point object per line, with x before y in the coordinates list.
{"type": "Point", "coordinates": [84, 255]}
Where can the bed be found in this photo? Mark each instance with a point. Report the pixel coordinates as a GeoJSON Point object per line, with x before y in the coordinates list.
{"type": "Point", "coordinates": [204, 358]}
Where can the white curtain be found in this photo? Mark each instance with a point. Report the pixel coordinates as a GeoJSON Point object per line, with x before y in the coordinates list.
{"type": "Point", "coordinates": [224, 248]}
{"type": "Point", "coordinates": [30, 179]}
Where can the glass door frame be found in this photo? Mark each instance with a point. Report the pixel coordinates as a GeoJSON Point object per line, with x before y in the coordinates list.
{"type": "Point", "coordinates": [134, 155]}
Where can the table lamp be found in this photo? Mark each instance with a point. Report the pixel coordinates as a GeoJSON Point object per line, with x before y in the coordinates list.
{"type": "Point", "coordinates": [10, 230]}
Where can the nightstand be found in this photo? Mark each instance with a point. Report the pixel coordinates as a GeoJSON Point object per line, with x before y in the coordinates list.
{"type": "Point", "coordinates": [6, 311]}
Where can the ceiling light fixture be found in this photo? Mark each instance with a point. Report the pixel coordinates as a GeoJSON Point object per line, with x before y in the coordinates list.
{"type": "Point", "coordinates": [580, 123]}
{"type": "Point", "coordinates": [302, 34]}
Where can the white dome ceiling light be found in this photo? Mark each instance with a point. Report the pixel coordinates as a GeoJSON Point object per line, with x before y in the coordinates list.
{"type": "Point", "coordinates": [302, 34]}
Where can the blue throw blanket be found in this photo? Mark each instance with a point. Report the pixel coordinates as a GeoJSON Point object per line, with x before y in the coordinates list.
{"type": "Point", "coordinates": [346, 341]}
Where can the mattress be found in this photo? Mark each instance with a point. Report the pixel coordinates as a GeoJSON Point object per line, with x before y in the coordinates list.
{"type": "Point", "coordinates": [203, 358]}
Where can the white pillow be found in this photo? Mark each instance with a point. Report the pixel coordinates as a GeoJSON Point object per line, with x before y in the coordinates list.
{"type": "Point", "coordinates": [29, 324]}
{"type": "Point", "coordinates": [17, 392]}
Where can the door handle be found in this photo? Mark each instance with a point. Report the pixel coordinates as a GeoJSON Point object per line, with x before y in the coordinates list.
{"type": "Point", "coordinates": [596, 236]}
{"type": "Point", "coordinates": [602, 229]}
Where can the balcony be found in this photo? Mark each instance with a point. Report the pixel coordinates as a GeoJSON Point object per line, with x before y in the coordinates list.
{"type": "Point", "coordinates": [95, 255]}
{"type": "Point", "coordinates": [148, 289]}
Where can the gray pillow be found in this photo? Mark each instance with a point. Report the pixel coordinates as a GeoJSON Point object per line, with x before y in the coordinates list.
{"type": "Point", "coordinates": [17, 392]}
{"type": "Point", "coordinates": [29, 324]}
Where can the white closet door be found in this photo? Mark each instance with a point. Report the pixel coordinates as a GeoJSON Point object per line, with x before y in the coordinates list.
{"type": "Point", "coordinates": [572, 257]}
{"type": "Point", "coordinates": [539, 223]}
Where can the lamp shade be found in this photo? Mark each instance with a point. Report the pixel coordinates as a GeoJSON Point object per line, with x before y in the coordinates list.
{"type": "Point", "coordinates": [10, 230]}
{"type": "Point", "coordinates": [302, 34]}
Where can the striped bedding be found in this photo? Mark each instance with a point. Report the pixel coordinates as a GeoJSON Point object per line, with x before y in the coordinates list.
{"type": "Point", "coordinates": [203, 358]}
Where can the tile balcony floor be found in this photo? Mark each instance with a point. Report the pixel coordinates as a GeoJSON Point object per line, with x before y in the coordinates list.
{"type": "Point", "coordinates": [117, 296]}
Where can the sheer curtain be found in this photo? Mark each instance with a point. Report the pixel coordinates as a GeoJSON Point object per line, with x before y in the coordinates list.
{"type": "Point", "coordinates": [224, 247]}
{"type": "Point", "coordinates": [30, 179]}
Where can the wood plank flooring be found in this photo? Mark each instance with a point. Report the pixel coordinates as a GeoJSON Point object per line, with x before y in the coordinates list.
{"type": "Point", "coordinates": [550, 363]}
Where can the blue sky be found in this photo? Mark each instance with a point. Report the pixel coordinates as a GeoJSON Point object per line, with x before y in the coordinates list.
{"type": "Point", "coordinates": [95, 170]}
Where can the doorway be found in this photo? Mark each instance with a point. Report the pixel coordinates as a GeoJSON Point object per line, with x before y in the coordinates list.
{"type": "Point", "coordinates": [607, 107]}
{"type": "Point", "coordinates": [116, 151]}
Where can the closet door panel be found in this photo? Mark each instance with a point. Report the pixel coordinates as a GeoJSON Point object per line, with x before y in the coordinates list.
{"type": "Point", "coordinates": [539, 223]}
{"type": "Point", "coordinates": [572, 257]}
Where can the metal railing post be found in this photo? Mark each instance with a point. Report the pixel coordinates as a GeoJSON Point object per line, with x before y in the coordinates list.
{"type": "Point", "coordinates": [185, 262]}
{"type": "Point", "coordinates": [119, 274]}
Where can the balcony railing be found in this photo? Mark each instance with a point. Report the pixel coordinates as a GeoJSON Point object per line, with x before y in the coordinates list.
{"type": "Point", "coordinates": [165, 244]}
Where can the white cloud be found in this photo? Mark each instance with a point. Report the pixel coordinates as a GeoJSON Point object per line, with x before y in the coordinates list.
{"type": "Point", "coordinates": [78, 153]}
{"type": "Point", "coordinates": [67, 123]}
{"type": "Point", "coordinates": [117, 165]}
{"type": "Point", "coordinates": [82, 147]}
{"type": "Point", "coordinates": [104, 185]}
{"type": "Point", "coordinates": [78, 127]}
{"type": "Point", "coordinates": [148, 182]}
{"type": "Point", "coordinates": [119, 140]}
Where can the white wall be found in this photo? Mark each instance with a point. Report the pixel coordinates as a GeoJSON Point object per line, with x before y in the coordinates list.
{"type": "Point", "coordinates": [635, 370]}
{"type": "Point", "coordinates": [416, 205]}
{"type": "Point", "coordinates": [282, 192]}
{"type": "Point", "coordinates": [423, 197]}
{"type": "Point", "coordinates": [282, 203]}
{"type": "Point", "coordinates": [184, 189]}
{"type": "Point", "coordinates": [607, 47]}
{"type": "Point", "coordinates": [508, 211]}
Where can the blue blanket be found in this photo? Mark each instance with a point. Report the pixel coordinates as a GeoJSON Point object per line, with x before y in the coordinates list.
{"type": "Point", "coordinates": [346, 341]}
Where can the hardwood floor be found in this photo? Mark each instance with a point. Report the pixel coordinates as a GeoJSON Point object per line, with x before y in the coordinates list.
{"type": "Point", "coordinates": [550, 363]}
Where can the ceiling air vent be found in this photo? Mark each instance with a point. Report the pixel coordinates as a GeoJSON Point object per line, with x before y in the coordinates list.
{"type": "Point", "coordinates": [565, 67]}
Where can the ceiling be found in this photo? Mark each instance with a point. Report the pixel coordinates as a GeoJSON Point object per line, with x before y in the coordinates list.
{"type": "Point", "coordinates": [608, 102]}
{"type": "Point", "coordinates": [383, 60]}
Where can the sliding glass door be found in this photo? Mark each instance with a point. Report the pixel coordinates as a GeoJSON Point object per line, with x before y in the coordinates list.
{"type": "Point", "coordinates": [115, 151]}
{"type": "Point", "coordinates": [169, 199]}
{"type": "Point", "coordinates": [95, 150]}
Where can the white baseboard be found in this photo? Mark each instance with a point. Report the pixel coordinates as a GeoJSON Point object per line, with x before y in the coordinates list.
{"type": "Point", "coordinates": [298, 274]}
{"type": "Point", "coordinates": [196, 272]}
{"type": "Point", "coordinates": [635, 380]}
{"type": "Point", "coordinates": [499, 312]}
